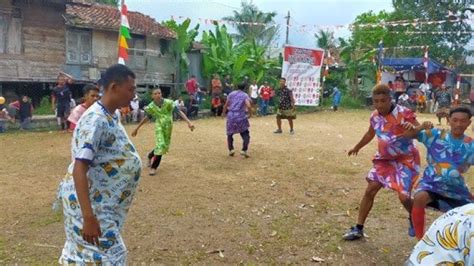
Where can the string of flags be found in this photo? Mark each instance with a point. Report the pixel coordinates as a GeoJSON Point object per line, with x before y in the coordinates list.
{"type": "Point", "coordinates": [308, 28]}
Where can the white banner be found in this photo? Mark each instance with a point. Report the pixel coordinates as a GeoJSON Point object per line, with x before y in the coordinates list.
{"type": "Point", "coordinates": [302, 71]}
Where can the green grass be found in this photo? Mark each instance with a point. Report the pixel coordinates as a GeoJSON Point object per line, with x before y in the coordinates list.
{"type": "Point", "coordinates": [45, 107]}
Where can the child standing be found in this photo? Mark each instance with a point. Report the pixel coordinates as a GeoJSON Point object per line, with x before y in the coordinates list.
{"type": "Point", "coordinates": [91, 95]}
{"type": "Point", "coordinates": [161, 110]}
{"type": "Point", "coordinates": [26, 112]}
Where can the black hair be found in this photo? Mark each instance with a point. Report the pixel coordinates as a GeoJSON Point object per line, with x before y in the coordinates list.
{"type": "Point", "coordinates": [283, 78]}
{"type": "Point", "coordinates": [461, 109]}
{"type": "Point", "coordinates": [193, 76]}
{"type": "Point", "coordinates": [242, 86]}
{"type": "Point", "coordinates": [90, 87]}
{"type": "Point", "coordinates": [118, 74]}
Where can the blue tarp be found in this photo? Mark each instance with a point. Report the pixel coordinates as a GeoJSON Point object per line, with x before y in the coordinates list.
{"type": "Point", "coordinates": [413, 63]}
{"type": "Point", "coordinates": [402, 64]}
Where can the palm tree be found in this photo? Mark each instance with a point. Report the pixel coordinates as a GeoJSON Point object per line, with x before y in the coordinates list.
{"type": "Point", "coordinates": [264, 33]}
{"type": "Point", "coordinates": [325, 39]}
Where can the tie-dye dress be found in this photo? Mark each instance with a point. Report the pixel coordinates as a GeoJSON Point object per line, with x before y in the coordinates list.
{"type": "Point", "coordinates": [448, 241]}
{"type": "Point", "coordinates": [113, 176]}
{"type": "Point", "coordinates": [448, 159]}
{"type": "Point", "coordinates": [397, 161]}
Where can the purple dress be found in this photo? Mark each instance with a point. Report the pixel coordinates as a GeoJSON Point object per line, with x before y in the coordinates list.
{"type": "Point", "coordinates": [237, 121]}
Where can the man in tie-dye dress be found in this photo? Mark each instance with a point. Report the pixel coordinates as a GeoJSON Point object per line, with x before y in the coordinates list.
{"type": "Point", "coordinates": [396, 164]}
{"type": "Point", "coordinates": [450, 153]}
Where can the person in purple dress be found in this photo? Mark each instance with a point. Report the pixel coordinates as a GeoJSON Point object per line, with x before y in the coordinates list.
{"type": "Point", "coordinates": [236, 107]}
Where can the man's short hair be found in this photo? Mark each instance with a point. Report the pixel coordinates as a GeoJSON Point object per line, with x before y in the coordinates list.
{"type": "Point", "coordinates": [117, 74]}
{"type": "Point", "coordinates": [283, 78]}
{"type": "Point", "coordinates": [461, 109]}
{"type": "Point", "coordinates": [90, 87]}
{"type": "Point", "coordinates": [381, 89]}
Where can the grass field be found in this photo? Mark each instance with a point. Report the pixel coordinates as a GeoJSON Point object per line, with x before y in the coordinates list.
{"type": "Point", "coordinates": [289, 202]}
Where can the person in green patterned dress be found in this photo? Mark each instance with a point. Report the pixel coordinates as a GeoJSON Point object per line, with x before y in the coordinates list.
{"type": "Point", "coordinates": [161, 110]}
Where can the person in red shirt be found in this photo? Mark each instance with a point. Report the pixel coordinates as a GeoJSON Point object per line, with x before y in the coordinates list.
{"type": "Point", "coordinates": [266, 93]}
{"type": "Point", "coordinates": [192, 85]}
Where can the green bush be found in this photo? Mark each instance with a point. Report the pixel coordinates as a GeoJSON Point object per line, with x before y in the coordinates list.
{"type": "Point", "coordinates": [351, 102]}
{"type": "Point", "coordinates": [44, 108]}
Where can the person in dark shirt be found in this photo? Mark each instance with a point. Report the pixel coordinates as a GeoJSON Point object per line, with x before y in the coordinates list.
{"type": "Point", "coordinates": [286, 107]}
{"type": "Point", "coordinates": [192, 107]}
{"type": "Point", "coordinates": [26, 112]}
{"type": "Point", "coordinates": [443, 98]}
{"type": "Point", "coordinates": [61, 100]}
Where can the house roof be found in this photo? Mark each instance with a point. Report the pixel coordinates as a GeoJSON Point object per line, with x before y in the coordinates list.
{"type": "Point", "coordinates": [96, 16]}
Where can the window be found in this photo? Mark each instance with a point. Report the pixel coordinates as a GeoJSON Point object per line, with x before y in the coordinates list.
{"type": "Point", "coordinates": [3, 34]}
{"type": "Point", "coordinates": [137, 53]}
{"type": "Point", "coordinates": [79, 47]}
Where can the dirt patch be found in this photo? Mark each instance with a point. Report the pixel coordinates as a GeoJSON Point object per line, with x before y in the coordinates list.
{"type": "Point", "coordinates": [289, 202]}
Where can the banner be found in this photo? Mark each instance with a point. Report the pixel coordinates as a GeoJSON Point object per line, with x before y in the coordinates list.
{"type": "Point", "coordinates": [302, 70]}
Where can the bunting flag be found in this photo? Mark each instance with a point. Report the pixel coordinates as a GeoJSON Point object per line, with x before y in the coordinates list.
{"type": "Point", "coordinates": [458, 90]}
{"type": "Point", "coordinates": [326, 69]}
{"type": "Point", "coordinates": [425, 63]}
{"type": "Point", "coordinates": [379, 60]}
{"type": "Point", "coordinates": [124, 35]}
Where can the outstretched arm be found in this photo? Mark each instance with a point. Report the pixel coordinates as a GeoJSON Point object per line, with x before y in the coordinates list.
{"type": "Point", "coordinates": [411, 131]}
{"type": "Point", "coordinates": [183, 116]}
{"type": "Point", "coordinates": [368, 136]}
{"type": "Point", "coordinates": [144, 121]}
{"type": "Point", "coordinates": [224, 109]}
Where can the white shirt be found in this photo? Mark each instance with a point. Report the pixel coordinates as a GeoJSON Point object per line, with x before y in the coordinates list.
{"type": "Point", "coordinates": [424, 87]}
{"type": "Point", "coordinates": [179, 103]}
{"type": "Point", "coordinates": [254, 91]}
{"type": "Point", "coordinates": [135, 104]}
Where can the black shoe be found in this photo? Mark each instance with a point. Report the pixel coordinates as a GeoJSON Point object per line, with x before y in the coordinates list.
{"type": "Point", "coordinates": [353, 234]}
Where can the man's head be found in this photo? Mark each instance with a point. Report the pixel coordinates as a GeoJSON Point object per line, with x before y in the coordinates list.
{"type": "Point", "coordinates": [443, 86]}
{"type": "Point", "coordinates": [216, 76]}
{"type": "Point", "coordinates": [156, 94]}
{"type": "Point", "coordinates": [61, 81]}
{"type": "Point", "coordinates": [24, 98]}
{"type": "Point", "coordinates": [266, 83]}
{"type": "Point", "coordinates": [381, 98]}
{"type": "Point", "coordinates": [282, 82]}
{"type": "Point", "coordinates": [91, 94]}
{"type": "Point", "coordinates": [241, 86]}
{"type": "Point", "coordinates": [193, 76]}
{"type": "Point", "coordinates": [119, 85]}
{"type": "Point", "coordinates": [459, 120]}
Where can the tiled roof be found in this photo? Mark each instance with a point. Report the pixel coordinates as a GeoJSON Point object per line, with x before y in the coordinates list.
{"type": "Point", "coordinates": [105, 17]}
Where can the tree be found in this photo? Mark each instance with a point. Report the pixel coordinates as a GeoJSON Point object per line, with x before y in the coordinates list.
{"type": "Point", "coordinates": [108, 2]}
{"type": "Point", "coordinates": [263, 34]}
{"type": "Point", "coordinates": [246, 58]}
{"type": "Point", "coordinates": [183, 44]}
{"type": "Point", "coordinates": [448, 48]}
{"type": "Point", "coordinates": [325, 39]}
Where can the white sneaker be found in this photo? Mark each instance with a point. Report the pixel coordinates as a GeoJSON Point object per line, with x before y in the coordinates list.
{"type": "Point", "coordinates": [244, 154]}
{"type": "Point", "coordinates": [231, 153]}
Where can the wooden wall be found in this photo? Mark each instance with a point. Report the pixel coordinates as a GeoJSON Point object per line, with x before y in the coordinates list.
{"type": "Point", "coordinates": [37, 52]}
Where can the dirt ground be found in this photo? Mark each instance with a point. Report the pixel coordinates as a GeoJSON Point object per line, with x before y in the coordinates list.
{"type": "Point", "coordinates": [291, 201]}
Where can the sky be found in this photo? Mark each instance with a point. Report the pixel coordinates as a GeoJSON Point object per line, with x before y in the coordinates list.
{"type": "Point", "coordinates": [302, 12]}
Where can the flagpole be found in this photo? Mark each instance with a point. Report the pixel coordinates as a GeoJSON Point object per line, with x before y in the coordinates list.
{"type": "Point", "coordinates": [122, 2]}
